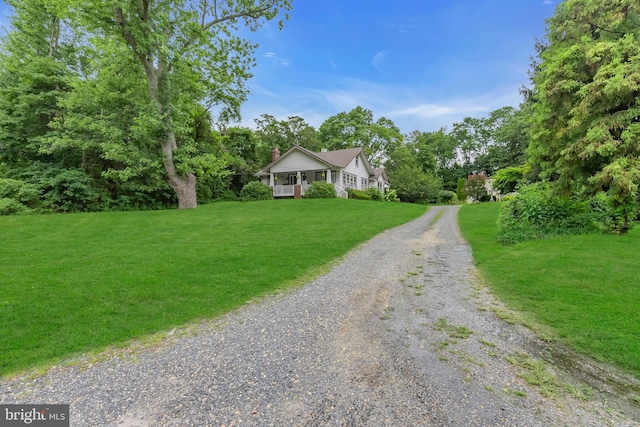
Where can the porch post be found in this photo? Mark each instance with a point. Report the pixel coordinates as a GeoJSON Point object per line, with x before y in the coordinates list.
{"type": "Point", "coordinates": [328, 172]}
{"type": "Point", "coordinates": [271, 180]}
{"type": "Point", "coordinates": [298, 178]}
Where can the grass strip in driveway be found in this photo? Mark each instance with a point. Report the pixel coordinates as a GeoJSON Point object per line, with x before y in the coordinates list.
{"type": "Point", "coordinates": [585, 288]}
{"type": "Point", "coordinates": [75, 283]}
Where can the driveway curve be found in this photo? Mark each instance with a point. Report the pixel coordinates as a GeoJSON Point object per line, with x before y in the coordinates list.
{"type": "Point", "coordinates": [399, 333]}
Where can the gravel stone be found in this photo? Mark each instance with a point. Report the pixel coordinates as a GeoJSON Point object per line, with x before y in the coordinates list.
{"type": "Point", "coordinates": [399, 333]}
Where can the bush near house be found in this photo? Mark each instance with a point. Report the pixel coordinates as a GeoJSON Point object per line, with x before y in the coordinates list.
{"type": "Point", "coordinates": [256, 190]}
{"type": "Point", "coordinates": [414, 186]}
{"type": "Point", "coordinates": [321, 190]}
{"type": "Point", "coordinates": [358, 194]}
{"type": "Point", "coordinates": [375, 194]}
{"type": "Point", "coordinates": [391, 196]}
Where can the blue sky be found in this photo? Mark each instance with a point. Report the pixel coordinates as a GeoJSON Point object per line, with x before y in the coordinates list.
{"type": "Point", "coordinates": [424, 64]}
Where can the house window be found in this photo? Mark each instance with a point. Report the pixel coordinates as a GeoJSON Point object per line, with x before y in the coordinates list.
{"type": "Point", "coordinates": [357, 162]}
{"type": "Point", "coordinates": [364, 183]}
{"type": "Point", "coordinates": [349, 180]}
{"type": "Point", "coordinates": [292, 179]}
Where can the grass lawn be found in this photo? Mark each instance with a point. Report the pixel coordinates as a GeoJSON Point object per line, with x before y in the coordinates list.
{"type": "Point", "coordinates": [585, 288]}
{"type": "Point", "coordinates": [76, 283]}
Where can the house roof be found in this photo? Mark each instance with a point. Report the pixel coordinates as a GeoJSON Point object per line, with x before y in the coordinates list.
{"type": "Point", "coordinates": [340, 158]}
{"type": "Point", "coordinates": [380, 172]}
{"type": "Point", "coordinates": [335, 158]}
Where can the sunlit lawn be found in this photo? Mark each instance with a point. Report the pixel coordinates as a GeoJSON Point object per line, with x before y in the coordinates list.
{"type": "Point", "coordinates": [586, 288]}
{"type": "Point", "coordinates": [80, 282]}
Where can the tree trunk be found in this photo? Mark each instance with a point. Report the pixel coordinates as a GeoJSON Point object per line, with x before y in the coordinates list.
{"type": "Point", "coordinates": [185, 187]}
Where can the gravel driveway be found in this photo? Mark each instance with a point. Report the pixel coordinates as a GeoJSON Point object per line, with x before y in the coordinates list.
{"type": "Point", "coordinates": [399, 333]}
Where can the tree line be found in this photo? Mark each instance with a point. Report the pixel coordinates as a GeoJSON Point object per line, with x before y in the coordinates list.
{"type": "Point", "coordinates": [115, 107]}
{"type": "Point", "coordinates": [123, 105]}
{"type": "Point", "coordinates": [420, 165]}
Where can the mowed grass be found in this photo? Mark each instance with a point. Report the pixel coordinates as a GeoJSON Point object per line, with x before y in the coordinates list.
{"type": "Point", "coordinates": [77, 283]}
{"type": "Point", "coordinates": [585, 288]}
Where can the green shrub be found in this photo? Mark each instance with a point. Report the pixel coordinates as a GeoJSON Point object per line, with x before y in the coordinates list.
{"type": "Point", "coordinates": [359, 195]}
{"type": "Point", "coordinates": [506, 180]}
{"type": "Point", "coordinates": [375, 194]}
{"type": "Point", "coordinates": [535, 212]}
{"type": "Point", "coordinates": [460, 193]}
{"type": "Point", "coordinates": [391, 196]}
{"type": "Point", "coordinates": [256, 190]}
{"type": "Point", "coordinates": [446, 196]}
{"type": "Point", "coordinates": [413, 185]}
{"type": "Point", "coordinates": [321, 190]}
{"type": "Point", "coordinates": [69, 190]}
{"type": "Point", "coordinates": [226, 196]}
{"type": "Point", "coordinates": [475, 188]}
{"type": "Point", "coordinates": [20, 191]}
{"type": "Point", "coordinates": [12, 207]}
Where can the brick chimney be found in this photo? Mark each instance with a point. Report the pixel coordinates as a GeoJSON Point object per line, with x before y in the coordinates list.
{"type": "Point", "coordinates": [275, 154]}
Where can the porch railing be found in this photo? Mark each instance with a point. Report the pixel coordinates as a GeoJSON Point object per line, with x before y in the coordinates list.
{"type": "Point", "coordinates": [288, 190]}
{"type": "Point", "coordinates": [283, 191]}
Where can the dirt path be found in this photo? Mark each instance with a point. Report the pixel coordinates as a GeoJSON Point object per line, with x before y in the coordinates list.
{"type": "Point", "coordinates": [399, 333]}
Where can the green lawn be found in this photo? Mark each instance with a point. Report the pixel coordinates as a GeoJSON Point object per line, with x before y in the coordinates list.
{"type": "Point", "coordinates": [76, 283]}
{"type": "Point", "coordinates": [585, 288]}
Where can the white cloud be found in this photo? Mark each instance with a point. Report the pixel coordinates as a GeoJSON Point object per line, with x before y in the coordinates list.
{"type": "Point", "coordinates": [378, 61]}
{"type": "Point", "coordinates": [410, 106]}
{"type": "Point", "coordinates": [259, 89]}
{"type": "Point", "coordinates": [275, 59]}
{"type": "Point", "coordinates": [424, 110]}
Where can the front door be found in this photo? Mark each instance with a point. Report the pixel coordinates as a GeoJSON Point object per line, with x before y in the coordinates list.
{"type": "Point", "coordinates": [293, 178]}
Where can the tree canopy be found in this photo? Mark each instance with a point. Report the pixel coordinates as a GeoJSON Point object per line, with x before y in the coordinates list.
{"type": "Point", "coordinates": [284, 134]}
{"type": "Point", "coordinates": [121, 90]}
{"type": "Point", "coordinates": [357, 128]}
{"type": "Point", "coordinates": [586, 109]}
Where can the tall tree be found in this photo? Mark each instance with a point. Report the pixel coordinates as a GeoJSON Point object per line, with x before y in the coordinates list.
{"type": "Point", "coordinates": [188, 53]}
{"type": "Point", "coordinates": [410, 178]}
{"type": "Point", "coordinates": [358, 129]}
{"type": "Point", "coordinates": [32, 78]}
{"type": "Point", "coordinates": [421, 143]}
{"type": "Point", "coordinates": [586, 121]}
{"type": "Point", "coordinates": [284, 134]}
{"type": "Point", "coordinates": [241, 146]}
{"type": "Point", "coordinates": [508, 138]}
{"type": "Point", "coordinates": [472, 136]}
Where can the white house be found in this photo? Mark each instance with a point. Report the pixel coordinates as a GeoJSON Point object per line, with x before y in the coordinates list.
{"type": "Point", "coordinates": [380, 181]}
{"type": "Point", "coordinates": [291, 173]}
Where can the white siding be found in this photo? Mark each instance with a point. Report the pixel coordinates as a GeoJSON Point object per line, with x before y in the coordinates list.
{"type": "Point", "coordinates": [360, 171]}
{"type": "Point", "coordinates": [297, 161]}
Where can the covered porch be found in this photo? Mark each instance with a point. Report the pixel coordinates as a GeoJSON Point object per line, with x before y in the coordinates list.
{"type": "Point", "coordinates": [295, 184]}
